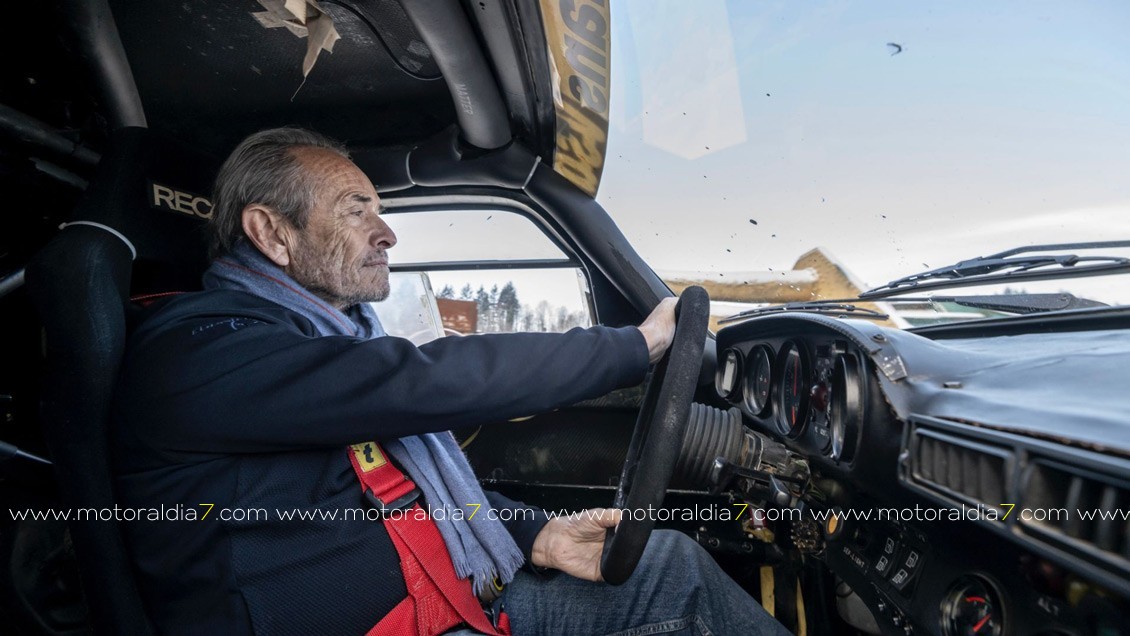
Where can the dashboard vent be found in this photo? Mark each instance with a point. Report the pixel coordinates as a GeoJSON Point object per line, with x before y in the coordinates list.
{"type": "Point", "coordinates": [1065, 504]}
{"type": "Point", "coordinates": [968, 471]}
{"type": "Point", "coordinates": [1078, 504]}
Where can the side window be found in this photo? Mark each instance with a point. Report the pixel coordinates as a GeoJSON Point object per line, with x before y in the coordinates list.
{"type": "Point", "coordinates": [490, 271]}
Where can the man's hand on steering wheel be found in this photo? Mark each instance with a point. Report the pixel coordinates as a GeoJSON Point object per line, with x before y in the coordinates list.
{"type": "Point", "coordinates": [602, 544]}
{"type": "Point", "coordinates": [574, 544]}
{"type": "Point", "coordinates": [658, 329]}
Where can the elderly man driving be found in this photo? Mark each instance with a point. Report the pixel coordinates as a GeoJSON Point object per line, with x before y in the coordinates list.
{"type": "Point", "coordinates": [276, 388]}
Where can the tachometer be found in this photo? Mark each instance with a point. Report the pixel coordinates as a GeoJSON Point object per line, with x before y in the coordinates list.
{"type": "Point", "coordinates": [758, 380]}
{"type": "Point", "coordinates": [793, 389]}
{"type": "Point", "coordinates": [727, 380]}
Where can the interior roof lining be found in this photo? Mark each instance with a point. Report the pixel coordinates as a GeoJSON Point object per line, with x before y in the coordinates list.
{"type": "Point", "coordinates": [209, 72]}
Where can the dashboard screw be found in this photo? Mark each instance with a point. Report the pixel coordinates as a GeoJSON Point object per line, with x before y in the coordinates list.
{"type": "Point", "coordinates": [879, 337]}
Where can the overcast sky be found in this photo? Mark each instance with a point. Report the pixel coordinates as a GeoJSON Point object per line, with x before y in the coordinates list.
{"type": "Point", "coordinates": [999, 124]}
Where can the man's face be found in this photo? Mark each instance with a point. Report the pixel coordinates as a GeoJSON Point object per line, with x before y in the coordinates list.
{"type": "Point", "coordinates": [341, 254]}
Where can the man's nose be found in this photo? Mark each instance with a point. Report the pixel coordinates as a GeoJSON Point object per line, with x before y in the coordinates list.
{"type": "Point", "coordinates": [381, 234]}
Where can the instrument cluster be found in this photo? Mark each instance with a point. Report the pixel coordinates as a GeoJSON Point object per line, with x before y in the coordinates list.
{"type": "Point", "coordinates": [804, 389]}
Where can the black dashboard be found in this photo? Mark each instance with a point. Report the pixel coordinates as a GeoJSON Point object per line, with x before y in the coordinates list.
{"type": "Point", "coordinates": [965, 481]}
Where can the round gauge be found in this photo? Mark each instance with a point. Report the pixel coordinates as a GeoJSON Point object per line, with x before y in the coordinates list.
{"type": "Point", "coordinates": [728, 377]}
{"type": "Point", "coordinates": [973, 606]}
{"type": "Point", "coordinates": [845, 411]}
{"type": "Point", "coordinates": [758, 379]}
{"type": "Point", "coordinates": [793, 390]}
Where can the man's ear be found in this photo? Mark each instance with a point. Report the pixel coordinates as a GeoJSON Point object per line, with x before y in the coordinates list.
{"type": "Point", "coordinates": [269, 232]}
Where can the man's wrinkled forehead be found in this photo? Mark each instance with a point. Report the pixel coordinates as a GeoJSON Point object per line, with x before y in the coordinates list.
{"type": "Point", "coordinates": [334, 178]}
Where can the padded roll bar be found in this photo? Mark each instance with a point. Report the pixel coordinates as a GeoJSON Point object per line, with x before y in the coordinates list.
{"type": "Point", "coordinates": [11, 282]}
{"type": "Point", "coordinates": [100, 47]}
{"type": "Point", "coordinates": [478, 104]}
{"type": "Point", "coordinates": [33, 132]}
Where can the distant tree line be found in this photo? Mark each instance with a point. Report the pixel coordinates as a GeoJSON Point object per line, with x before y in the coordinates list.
{"type": "Point", "coordinates": [500, 310]}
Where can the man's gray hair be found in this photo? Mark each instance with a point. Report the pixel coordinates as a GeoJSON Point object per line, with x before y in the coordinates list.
{"type": "Point", "coordinates": [264, 169]}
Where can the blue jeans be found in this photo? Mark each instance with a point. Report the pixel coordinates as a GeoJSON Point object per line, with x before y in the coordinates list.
{"type": "Point", "coordinates": [677, 589]}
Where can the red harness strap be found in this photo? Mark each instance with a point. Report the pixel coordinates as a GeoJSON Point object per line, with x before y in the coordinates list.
{"type": "Point", "coordinates": [437, 598]}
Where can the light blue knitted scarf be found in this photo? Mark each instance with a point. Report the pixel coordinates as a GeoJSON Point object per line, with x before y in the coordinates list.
{"type": "Point", "coordinates": [479, 545]}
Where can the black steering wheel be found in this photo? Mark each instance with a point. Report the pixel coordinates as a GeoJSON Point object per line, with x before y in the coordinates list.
{"type": "Point", "coordinates": [657, 439]}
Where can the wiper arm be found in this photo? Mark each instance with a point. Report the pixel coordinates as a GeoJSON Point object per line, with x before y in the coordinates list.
{"type": "Point", "coordinates": [816, 307]}
{"type": "Point", "coordinates": [1009, 266]}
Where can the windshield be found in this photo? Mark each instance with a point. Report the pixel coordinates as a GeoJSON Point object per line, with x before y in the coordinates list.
{"type": "Point", "coordinates": [788, 151]}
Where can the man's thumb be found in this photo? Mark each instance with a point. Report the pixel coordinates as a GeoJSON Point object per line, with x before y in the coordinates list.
{"type": "Point", "coordinates": [607, 517]}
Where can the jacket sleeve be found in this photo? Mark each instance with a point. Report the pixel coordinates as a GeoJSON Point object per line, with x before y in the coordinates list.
{"type": "Point", "coordinates": [522, 521]}
{"type": "Point", "coordinates": [249, 385]}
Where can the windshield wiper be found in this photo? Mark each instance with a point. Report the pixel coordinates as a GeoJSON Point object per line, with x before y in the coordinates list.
{"type": "Point", "coordinates": [1010, 303]}
{"type": "Point", "coordinates": [1005, 303]}
{"type": "Point", "coordinates": [838, 308]}
{"type": "Point", "coordinates": [1009, 266]}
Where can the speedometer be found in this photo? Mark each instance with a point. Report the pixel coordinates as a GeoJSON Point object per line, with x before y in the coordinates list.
{"type": "Point", "coordinates": [793, 389]}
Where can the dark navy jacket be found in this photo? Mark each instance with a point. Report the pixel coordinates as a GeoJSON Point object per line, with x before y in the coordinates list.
{"type": "Point", "coordinates": [230, 400]}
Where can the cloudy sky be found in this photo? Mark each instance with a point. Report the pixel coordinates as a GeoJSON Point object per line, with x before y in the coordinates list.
{"type": "Point", "coordinates": [999, 124]}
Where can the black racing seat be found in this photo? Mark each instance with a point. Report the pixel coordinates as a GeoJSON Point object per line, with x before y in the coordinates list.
{"type": "Point", "coordinates": [138, 230]}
